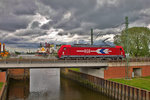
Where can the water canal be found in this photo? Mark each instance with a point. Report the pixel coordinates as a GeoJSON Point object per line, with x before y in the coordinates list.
{"type": "Point", "coordinates": [46, 84]}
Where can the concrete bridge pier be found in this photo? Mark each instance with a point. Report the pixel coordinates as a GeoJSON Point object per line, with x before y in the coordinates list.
{"type": "Point", "coordinates": [98, 72]}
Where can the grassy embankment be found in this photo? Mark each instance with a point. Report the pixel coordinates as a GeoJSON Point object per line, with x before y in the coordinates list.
{"type": "Point", "coordinates": [143, 83]}
{"type": "Point", "coordinates": [75, 69]}
{"type": "Point", "coordinates": [1, 84]}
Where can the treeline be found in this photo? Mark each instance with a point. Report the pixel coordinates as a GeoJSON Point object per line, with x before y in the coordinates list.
{"type": "Point", "coordinates": [138, 41]}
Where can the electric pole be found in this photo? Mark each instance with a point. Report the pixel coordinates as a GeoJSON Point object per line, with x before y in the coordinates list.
{"type": "Point", "coordinates": [127, 49]}
{"type": "Point", "coordinates": [91, 36]}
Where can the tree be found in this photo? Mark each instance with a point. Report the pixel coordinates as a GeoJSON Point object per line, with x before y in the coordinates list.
{"type": "Point", "coordinates": [138, 39]}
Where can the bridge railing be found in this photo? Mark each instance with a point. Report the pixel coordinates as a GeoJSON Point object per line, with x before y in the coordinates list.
{"type": "Point", "coordinates": [140, 59]}
{"type": "Point", "coordinates": [32, 61]}
{"type": "Point", "coordinates": [96, 60]}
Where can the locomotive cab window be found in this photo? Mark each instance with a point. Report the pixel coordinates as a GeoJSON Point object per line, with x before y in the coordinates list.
{"type": "Point", "coordinates": [64, 48]}
{"type": "Point", "coordinates": [120, 49]}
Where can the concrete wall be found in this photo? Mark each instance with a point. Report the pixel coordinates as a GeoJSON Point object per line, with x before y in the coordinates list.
{"type": "Point", "coordinates": [95, 72]}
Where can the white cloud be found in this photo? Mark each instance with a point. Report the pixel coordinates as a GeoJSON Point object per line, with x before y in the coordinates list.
{"type": "Point", "coordinates": [39, 18]}
{"type": "Point", "coordinates": [148, 26]}
{"type": "Point", "coordinates": [67, 15]}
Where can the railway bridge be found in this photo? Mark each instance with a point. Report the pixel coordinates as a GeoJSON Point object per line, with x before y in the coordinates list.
{"type": "Point", "coordinates": [55, 63]}
{"type": "Point", "coordinates": [100, 68]}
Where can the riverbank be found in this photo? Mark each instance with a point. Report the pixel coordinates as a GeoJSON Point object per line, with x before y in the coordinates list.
{"type": "Point", "coordinates": [1, 84]}
{"type": "Point", "coordinates": [4, 80]}
{"type": "Point", "coordinates": [3, 91]}
{"type": "Point", "coordinates": [142, 82]}
{"type": "Point", "coordinates": [110, 88]}
{"type": "Point", "coordinates": [75, 69]}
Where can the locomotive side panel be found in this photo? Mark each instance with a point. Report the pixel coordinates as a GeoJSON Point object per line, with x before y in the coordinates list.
{"type": "Point", "coordinates": [93, 52]}
{"type": "Point", "coordinates": [67, 51]}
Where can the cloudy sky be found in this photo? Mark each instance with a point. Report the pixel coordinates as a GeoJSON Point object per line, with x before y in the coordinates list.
{"type": "Point", "coordinates": [26, 23]}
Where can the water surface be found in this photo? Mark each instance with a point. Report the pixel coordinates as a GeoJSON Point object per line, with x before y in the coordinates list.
{"type": "Point", "coordinates": [46, 84]}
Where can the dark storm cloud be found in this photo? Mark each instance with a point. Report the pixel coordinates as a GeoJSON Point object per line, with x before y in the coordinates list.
{"type": "Point", "coordinates": [25, 10]}
{"type": "Point", "coordinates": [23, 19]}
{"type": "Point", "coordinates": [105, 15]}
{"type": "Point", "coordinates": [35, 24]}
{"type": "Point", "coordinates": [27, 45]}
{"type": "Point", "coordinates": [68, 25]}
{"type": "Point", "coordinates": [13, 40]}
{"type": "Point", "coordinates": [31, 33]}
{"type": "Point", "coordinates": [10, 11]}
{"type": "Point", "coordinates": [75, 5]}
{"type": "Point", "coordinates": [12, 23]}
{"type": "Point", "coordinates": [62, 33]}
{"type": "Point", "coordinates": [45, 26]}
{"type": "Point", "coordinates": [19, 7]}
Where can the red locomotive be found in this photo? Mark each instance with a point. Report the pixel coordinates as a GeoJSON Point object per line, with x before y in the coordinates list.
{"type": "Point", "coordinates": [91, 51]}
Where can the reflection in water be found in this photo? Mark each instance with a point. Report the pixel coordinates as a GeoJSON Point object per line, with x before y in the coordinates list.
{"type": "Point", "coordinates": [70, 90]}
{"type": "Point", "coordinates": [46, 84]}
{"type": "Point", "coordinates": [18, 90]}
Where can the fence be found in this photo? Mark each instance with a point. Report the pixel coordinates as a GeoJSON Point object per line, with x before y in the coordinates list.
{"type": "Point", "coordinates": [112, 89]}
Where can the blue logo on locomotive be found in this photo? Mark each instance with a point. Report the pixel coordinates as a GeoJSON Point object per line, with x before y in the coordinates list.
{"type": "Point", "coordinates": [103, 51]}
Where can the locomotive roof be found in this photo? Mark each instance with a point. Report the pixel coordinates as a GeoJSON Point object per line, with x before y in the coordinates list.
{"type": "Point", "coordinates": [91, 45]}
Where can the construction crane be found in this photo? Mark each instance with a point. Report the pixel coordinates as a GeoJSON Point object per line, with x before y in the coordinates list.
{"type": "Point", "coordinates": [3, 53]}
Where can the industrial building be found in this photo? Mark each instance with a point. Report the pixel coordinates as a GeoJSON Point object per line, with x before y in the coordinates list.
{"type": "Point", "coordinates": [3, 53]}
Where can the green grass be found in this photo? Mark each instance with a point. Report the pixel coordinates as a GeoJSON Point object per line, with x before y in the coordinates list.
{"type": "Point", "coordinates": [1, 84]}
{"type": "Point", "coordinates": [75, 69]}
{"type": "Point", "coordinates": [143, 83]}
